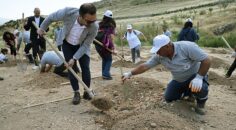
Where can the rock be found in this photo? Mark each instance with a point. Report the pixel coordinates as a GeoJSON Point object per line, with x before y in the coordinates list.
{"type": "Point", "coordinates": [153, 125]}
{"type": "Point", "coordinates": [125, 111]}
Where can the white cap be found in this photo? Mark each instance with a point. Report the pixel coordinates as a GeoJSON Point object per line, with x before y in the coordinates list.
{"type": "Point", "coordinates": [189, 20]}
{"type": "Point", "coordinates": [129, 26]}
{"type": "Point", "coordinates": [15, 31]}
{"type": "Point", "coordinates": [158, 42]}
{"type": "Point", "coordinates": [108, 13]}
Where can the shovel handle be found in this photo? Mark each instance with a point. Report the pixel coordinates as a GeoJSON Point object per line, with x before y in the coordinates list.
{"type": "Point", "coordinates": [98, 42]}
{"type": "Point", "coordinates": [71, 70]}
{"type": "Point", "coordinates": [227, 44]}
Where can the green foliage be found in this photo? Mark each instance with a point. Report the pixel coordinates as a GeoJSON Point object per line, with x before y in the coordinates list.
{"type": "Point", "coordinates": [224, 3]}
{"type": "Point", "coordinates": [210, 10]}
{"type": "Point", "coordinates": [176, 20]}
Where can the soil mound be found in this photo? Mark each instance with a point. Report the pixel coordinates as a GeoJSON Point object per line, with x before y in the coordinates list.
{"type": "Point", "coordinates": [45, 80]}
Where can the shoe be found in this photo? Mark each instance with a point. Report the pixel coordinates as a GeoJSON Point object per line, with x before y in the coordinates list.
{"type": "Point", "coordinates": [86, 96]}
{"type": "Point", "coordinates": [76, 99]}
{"type": "Point", "coordinates": [1, 78]}
{"type": "Point", "coordinates": [107, 78]}
{"type": "Point", "coordinates": [227, 76]}
{"type": "Point", "coordinates": [35, 67]}
{"type": "Point", "coordinates": [200, 109]}
{"type": "Point", "coordinates": [137, 61]}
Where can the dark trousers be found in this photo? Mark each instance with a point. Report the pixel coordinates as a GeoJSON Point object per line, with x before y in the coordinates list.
{"type": "Point", "coordinates": [59, 47]}
{"type": "Point", "coordinates": [28, 46]}
{"type": "Point", "coordinates": [176, 90]}
{"type": "Point", "coordinates": [69, 51]}
{"type": "Point", "coordinates": [231, 68]}
{"type": "Point", "coordinates": [59, 70]}
{"type": "Point", "coordinates": [135, 51]}
{"type": "Point", "coordinates": [12, 49]}
{"type": "Point", "coordinates": [39, 47]}
{"type": "Point", "coordinates": [106, 60]}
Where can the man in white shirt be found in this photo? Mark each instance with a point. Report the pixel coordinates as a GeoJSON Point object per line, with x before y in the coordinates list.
{"type": "Point", "coordinates": [134, 43]}
{"type": "Point", "coordinates": [3, 57]}
{"type": "Point", "coordinates": [79, 31]}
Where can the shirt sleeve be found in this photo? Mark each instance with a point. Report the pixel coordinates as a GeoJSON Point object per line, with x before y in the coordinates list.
{"type": "Point", "coordinates": [194, 52]}
{"type": "Point", "coordinates": [153, 61]}
{"type": "Point", "coordinates": [138, 32]}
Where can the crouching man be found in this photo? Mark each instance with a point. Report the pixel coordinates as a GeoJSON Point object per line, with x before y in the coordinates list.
{"type": "Point", "coordinates": [188, 65]}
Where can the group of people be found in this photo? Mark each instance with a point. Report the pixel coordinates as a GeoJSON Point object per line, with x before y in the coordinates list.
{"type": "Point", "coordinates": [187, 62]}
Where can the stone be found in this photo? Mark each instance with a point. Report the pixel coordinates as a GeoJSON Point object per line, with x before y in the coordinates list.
{"type": "Point", "coordinates": [153, 125]}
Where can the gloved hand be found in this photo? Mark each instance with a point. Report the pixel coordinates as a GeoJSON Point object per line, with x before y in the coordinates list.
{"type": "Point", "coordinates": [233, 55]}
{"type": "Point", "coordinates": [196, 84]}
{"type": "Point", "coordinates": [126, 75]}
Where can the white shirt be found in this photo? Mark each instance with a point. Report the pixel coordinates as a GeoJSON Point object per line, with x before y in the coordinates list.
{"type": "Point", "coordinates": [37, 20]}
{"type": "Point", "coordinates": [75, 33]}
{"type": "Point", "coordinates": [2, 57]}
{"type": "Point", "coordinates": [51, 58]}
{"type": "Point", "coordinates": [133, 39]}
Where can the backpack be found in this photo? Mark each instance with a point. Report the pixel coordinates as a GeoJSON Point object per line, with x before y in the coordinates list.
{"type": "Point", "coordinates": [126, 33]}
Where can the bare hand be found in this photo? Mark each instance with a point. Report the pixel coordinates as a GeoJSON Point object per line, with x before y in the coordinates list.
{"type": "Point", "coordinates": [41, 32]}
{"type": "Point", "coordinates": [71, 63]}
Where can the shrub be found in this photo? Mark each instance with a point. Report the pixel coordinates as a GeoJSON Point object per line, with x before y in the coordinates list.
{"type": "Point", "coordinates": [202, 12]}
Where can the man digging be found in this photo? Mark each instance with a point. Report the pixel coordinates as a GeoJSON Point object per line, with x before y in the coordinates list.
{"type": "Point", "coordinates": [188, 65]}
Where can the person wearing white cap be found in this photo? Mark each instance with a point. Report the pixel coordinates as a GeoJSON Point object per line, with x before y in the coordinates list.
{"type": "Point", "coordinates": [134, 43]}
{"type": "Point", "coordinates": [106, 34]}
{"type": "Point", "coordinates": [188, 64]}
{"type": "Point", "coordinates": [188, 33]}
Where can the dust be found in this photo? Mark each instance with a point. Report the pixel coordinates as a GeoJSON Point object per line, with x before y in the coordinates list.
{"type": "Point", "coordinates": [44, 80]}
{"type": "Point", "coordinates": [217, 63]}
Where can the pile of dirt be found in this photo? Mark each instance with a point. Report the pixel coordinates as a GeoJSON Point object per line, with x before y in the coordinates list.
{"type": "Point", "coordinates": [132, 97]}
{"type": "Point", "coordinates": [217, 63]}
{"type": "Point", "coordinates": [216, 79]}
{"type": "Point", "coordinates": [126, 64]}
{"type": "Point", "coordinates": [219, 51]}
{"type": "Point", "coordinates": [45, 80]}
{"type": "Point", "coordinates": [12, 63]}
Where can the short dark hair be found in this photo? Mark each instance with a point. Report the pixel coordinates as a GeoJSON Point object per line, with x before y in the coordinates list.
{"type": "Point", "coordinates": [188, 24]}
{"type": "Point", "coordinates": [87, 8]}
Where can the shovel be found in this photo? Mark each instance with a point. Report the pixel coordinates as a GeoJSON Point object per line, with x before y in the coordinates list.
{"type": "Point", "coordinates": [21, 66]}
{"type": "Point", "coordinates": [100, 103]}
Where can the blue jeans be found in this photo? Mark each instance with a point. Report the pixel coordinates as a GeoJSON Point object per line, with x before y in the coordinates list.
{"type": "Point", "coordinates": [176, 90]}
{"type": "Point", "coordinates": [69, 51]}
{"type": "Point", "coordinates": [106, 60]}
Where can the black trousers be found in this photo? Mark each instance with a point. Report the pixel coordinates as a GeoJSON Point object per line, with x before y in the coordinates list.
{"type": "Point", "coordinates": [39, 47]}
{"type": "Point", "coordinates": [231, 68]}
{"type": "Point", "coordinates": [69, 51]}
{"type": "Point", "coordinates": [60, 70]}
{"type": "Point", "coordinates": [28, 46]}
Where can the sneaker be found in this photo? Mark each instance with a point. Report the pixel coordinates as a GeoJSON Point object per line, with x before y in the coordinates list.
{"type": "Point", "coordinates": [200, 109]}
{"type": "Point", "coordinates": [137, 61]}
{"type": "Point", "coordinates": [35, 67]}
{"type": "Point", "coordinates": [107, 78]}
{"type": "Point", "coordinates": [76, 99]}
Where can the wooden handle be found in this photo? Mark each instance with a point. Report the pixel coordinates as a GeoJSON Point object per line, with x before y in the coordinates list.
{"type": "Point", "coordinates": [71, 70]}
{"type": "Point", "coordinates": [227, 44]}
{"type": "Point", "coordinates": [98, 42]}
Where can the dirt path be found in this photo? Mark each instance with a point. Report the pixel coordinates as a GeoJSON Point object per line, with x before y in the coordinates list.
{"type": "Point", "coordinates": [138, 103]}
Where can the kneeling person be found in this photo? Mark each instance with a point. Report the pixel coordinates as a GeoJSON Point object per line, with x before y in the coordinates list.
{"type": "Point", "coordinates": [188, 65]}
{"type": "Point", "coordinates": [50, 59]}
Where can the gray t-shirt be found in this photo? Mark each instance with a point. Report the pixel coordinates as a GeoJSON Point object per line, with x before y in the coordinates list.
{"type": "Point", "coordinates": [185, 62]}
{"type": "Point", "coordinates": [50, 57]}
{"type": "Point", "coordinates": [26, 39]}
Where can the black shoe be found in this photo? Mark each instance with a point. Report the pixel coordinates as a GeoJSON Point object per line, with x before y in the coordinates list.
{"type": "Point", "coordinates": [1, 78]}
{"type": "Point", "coordinates": [200, 109]}
{"type": "Point", "coordinates": [76, 99]}
{"type": "Point", "coordinates": [86, 96]}
{"type": "Point", "coordinates": [107, 78]}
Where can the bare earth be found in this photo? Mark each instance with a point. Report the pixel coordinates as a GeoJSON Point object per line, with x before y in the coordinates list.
{"type": "Point", "coordinates": [138, 103]}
